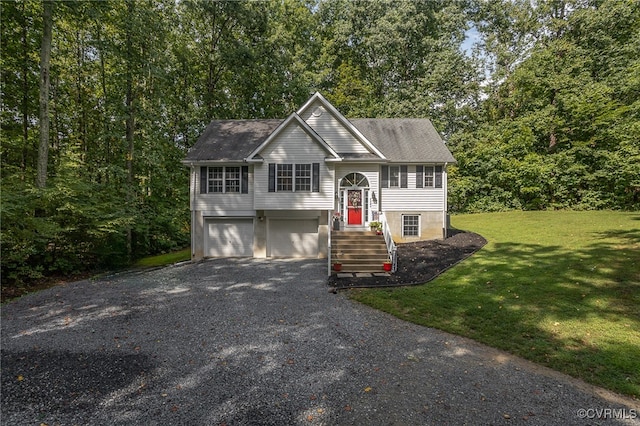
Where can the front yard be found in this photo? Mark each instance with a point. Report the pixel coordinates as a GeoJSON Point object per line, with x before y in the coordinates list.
{"type": "Point", "coordinates": [559, 288]}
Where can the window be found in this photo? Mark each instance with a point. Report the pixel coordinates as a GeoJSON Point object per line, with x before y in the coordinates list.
{"type": "Point", "coordinates": [411, 225]}
{"type": "Point", "coordinates": [294, 177]}
{"type": "Point", "coordinates": [224, 179]}
{"type": "Point", "coordinates": [354, 179]}
{"type": "Point", "coordinates": [429, 177]}
{"type": "Point", "coordinates": [394, 176]}
{"type": "Point", "coordinates": [232, 179]}
{"type": "Point", "coordinates": [285, 177]}
{"type": "Point", "coordinates": [303, 177]}
{"type": "Point", "coordinates": [215, 179]}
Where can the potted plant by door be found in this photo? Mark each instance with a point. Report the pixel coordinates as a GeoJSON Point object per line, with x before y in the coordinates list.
{"type": "Point", "coordinates": [336, 221]}
{"type": "Point", "coordinates": [375, 226]}
{"type": "Point", "coordinates": [337, 264]}
{"type": "Point", "coordinates": [386, 266]}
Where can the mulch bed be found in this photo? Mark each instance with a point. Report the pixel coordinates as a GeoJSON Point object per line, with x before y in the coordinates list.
{"type": "Point", "coordinates": [419, 262]}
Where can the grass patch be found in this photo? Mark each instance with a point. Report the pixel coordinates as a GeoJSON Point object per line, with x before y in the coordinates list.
{"type": "Point", "coordinates": [9, 293]}
{"type": "Point", "coordinates": [559, 288]}
{"type": "Point", "coordinates": [164, 259]}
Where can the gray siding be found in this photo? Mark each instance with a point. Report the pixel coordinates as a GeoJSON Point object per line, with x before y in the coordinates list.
{"type": "Point", "coordinates": [412, 198]}
{"type": "Point", "coordinates": [331, 130]}
{"type": "Point", "coordinates": [220, 203]}
{"type": "Point", "coordinates": [292, 146]}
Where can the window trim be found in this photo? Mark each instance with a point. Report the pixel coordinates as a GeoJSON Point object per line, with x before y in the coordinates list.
{"type": "Point", "coordinates": [234, 182]}
{"type": "Point", "coordinates": [302, 183]}
{"type": "Point", "coordinates": [312, 181]}
{"type": "Point", "coordinates": [394, 181]}
{"type": "Point", "coordinates": [285, 177]}
{"type": "Point", "coordinates": [215, 180]}
{"type": "Point", "coordinates": [387, 172]}
{"type": "Point", "coordinates": [436, 174]}
{"type": "Point", "coordinates": [431, 175]}
{"type": "Point", "coordinates": [241, 179]}
{"type": "Point", "coordinates": [418, 225]}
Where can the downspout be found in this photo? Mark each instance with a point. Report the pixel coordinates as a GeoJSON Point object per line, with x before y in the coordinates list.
{"type": "Point", "coordinates": [330, 226]}
{"type": "Point", "coordinates": [446, 208]}
{"type": "Point", "coordinates": [193, 214]}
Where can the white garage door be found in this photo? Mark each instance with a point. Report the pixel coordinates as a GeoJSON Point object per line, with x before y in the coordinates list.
{"type": "Point", "coordinates": [293, 237]}
{"type": "Point", "coordinates": [229, 238]}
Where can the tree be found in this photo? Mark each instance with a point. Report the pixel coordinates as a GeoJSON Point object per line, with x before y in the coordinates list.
{"type": "Point", "coordinates": [396, 58]}
{"type": "Point", "coordinates": [45, 59]}
{"type": "Point", "coordinates": [570, 95]}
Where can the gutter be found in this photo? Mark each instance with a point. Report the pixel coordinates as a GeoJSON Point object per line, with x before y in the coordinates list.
{"type": "Point", "coordinates": [446, 208]}
{"type": "Point", "coordinates": [193, 214]}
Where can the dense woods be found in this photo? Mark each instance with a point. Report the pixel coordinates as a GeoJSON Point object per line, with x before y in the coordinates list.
{"type": "Point", "coordinates": [101, 101]}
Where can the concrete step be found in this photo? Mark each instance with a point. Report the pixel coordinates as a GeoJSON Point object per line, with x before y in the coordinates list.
{"type": "Point", "coordinates": [359, 267]}
{"type": "Point", "coordinates": [344, 256]}
{"type": "Point", "coordinates": [359, 251]}
{"type": "Point", "coordinates": [356, 236]}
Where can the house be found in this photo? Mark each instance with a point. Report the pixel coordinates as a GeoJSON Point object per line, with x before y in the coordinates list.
{"type": "Point", "coordinates": [279, 188]}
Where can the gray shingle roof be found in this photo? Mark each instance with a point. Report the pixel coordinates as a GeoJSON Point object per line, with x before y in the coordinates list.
{"type": "Point", "coordinates": [231, 140]}
{"type": "Point", "coordinates": [408, 140]}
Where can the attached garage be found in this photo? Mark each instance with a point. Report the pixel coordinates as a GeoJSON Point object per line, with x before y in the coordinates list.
{"type": "Point", "coordinates": [228, 237]}
{"type": "Point", "coordinates": [293, 238]}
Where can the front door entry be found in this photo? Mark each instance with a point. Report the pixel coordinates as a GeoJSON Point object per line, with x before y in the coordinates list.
{"type": "Point", "coordinates": [354, 207]}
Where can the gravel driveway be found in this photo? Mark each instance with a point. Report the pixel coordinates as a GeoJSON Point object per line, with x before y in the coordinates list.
{"type": "Point", "coordinates": [250, 342]}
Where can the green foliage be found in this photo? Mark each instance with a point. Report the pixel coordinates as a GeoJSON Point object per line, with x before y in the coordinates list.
{"type": "Point", "coordinates": [565, 282]}
{"type": "Point", "coordinates": [559, 130]}
{"type": "Point", "coordinates": [542, 115]}
{"type": "Point", "coordinates": [397, 59]}
{"type": "Point", "coordinates": [164, 259]}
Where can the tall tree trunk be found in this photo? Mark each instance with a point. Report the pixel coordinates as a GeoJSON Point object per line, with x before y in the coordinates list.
{"type": "Point", "coordinates": [130, 129]}
{"type": "Point", "coordinates": [45, 59]}
{"type": "Point", "coordinates": [25, 94]}
{"type": "Point", "coordinates": [105, 126]}
{"type": "Point", "coordinates": [130, 126]}
{"type": "Point", "coordinates": [80, 87]}
{"type": "Point", "coordinates": [553, 139]}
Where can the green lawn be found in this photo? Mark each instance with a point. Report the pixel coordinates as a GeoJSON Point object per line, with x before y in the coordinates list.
{"type": "Point", "coordinates": [559, 288]}
{"type": "Point", "coordinates": [164, 259]}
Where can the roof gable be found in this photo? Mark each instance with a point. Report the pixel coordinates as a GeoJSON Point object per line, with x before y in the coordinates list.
{"type": "Point", "coordinates": [295, 120]}
{"type": "Point", "coordinates": [319, 102]}
{"type": "Point", "coordinates": [399, 140]}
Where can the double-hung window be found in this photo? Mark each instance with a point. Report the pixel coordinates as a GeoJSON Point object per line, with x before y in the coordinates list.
{"type": "Point", "coordinates": [410, 225]}
{"type": "Point", "coordinates": [215, 179]}
{"type": "Point", "coordinates": [232, 179]}
{"type": "Point", "coordinates": [394, 176]}
{"type": "Point", "coordinates": [284, 177]}
{"type": "Point", "coordinates": [429, 176]}
{"type": "Point", "coordinates": [224, 179]}
{"type": "Point", "coordinates": [301, 177]}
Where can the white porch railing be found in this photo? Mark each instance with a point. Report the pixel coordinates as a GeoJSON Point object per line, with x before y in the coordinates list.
{"type": "Point", "coordinates": [391, 245]}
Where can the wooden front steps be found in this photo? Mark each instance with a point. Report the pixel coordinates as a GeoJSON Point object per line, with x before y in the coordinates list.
{"type": "Point", "coordinates": [359, 251]}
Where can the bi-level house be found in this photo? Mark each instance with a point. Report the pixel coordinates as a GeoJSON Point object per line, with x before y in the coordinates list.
{"type": "Point", "coordinates": [283, 188]}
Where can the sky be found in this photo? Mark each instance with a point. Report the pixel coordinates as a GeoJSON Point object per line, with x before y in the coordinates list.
{"type": "Point", "coordinates": [472, 37]}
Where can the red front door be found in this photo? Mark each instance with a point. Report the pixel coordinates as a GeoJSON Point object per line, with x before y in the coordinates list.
{"type": "Point", "coordinates": [354, 207]}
